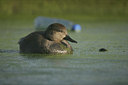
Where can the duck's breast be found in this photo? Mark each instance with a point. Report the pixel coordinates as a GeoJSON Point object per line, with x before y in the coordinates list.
{"type": "Point", "coordinates": [61, 48]}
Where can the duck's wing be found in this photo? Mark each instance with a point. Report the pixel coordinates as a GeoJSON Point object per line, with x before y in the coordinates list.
{"type": "Point", "coordinates": [31, 36]}
{"type": "Point", "coordinates": [31, 43]}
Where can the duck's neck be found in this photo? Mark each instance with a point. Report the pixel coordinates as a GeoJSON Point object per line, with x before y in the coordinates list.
{"type": "Point", "coordinates": [47, 37]}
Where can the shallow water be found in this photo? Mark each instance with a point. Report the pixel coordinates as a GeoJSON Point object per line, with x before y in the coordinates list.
{"type": "Point", "coordinates": [86, 66]}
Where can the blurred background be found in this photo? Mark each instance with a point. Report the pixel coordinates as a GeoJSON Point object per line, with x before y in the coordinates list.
{"type": "Point", "coordinates": [64, 9]}
{"type": "Point", "coordinates": [68, 9]}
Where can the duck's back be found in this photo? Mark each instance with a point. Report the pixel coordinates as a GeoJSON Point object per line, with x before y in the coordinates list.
{"type": "Point", "coordinates": [32, 42]}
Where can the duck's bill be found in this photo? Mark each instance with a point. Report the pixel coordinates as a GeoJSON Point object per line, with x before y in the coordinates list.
{"type": "Point", "coordinates": [70, 39]}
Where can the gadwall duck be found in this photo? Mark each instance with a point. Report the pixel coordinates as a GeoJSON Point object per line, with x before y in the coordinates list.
{"type": "Point", "coordinates": [52, 41]}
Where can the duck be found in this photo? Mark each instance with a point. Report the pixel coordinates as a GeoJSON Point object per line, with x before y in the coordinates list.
{"type": "Point", "coordinates": [54, 40]}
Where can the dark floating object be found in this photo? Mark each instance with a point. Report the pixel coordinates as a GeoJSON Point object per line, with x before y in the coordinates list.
{"type": "Point", "coordinates": [102, 50]}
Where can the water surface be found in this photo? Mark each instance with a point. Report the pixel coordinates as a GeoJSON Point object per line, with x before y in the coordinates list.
{"type": "Point", "coordinates": [86, 66]}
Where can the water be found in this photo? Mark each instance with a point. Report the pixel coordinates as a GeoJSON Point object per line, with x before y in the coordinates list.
{"type": "Point", "coordinates": [86, 66]}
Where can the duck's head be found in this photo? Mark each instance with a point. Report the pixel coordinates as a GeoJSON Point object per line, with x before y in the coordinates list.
{"type": "Point", "coordinates": [57, 32]}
